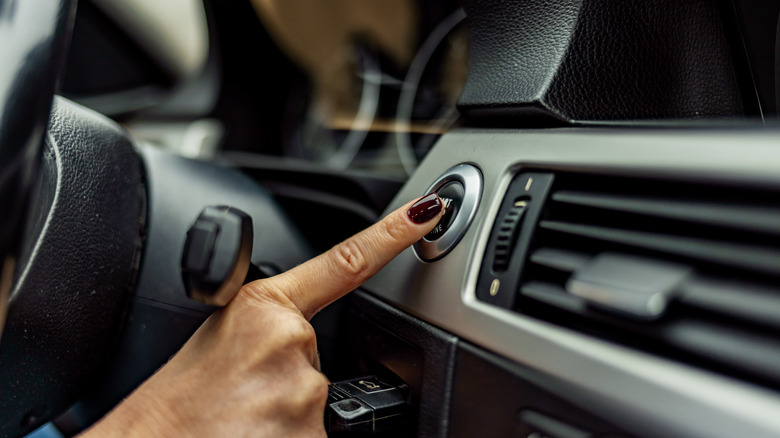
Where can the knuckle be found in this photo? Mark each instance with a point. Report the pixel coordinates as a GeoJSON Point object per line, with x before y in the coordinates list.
{"type": "Point", "coordinates": [312, 392]}
{"type": "Point", "coordinates": [298, 331]}
{"type": "Point", "coordinates": [263, 293]}
{"type": "Point", "coordinates": [350, 258]}
{"type": "Point", "coordinates": [396, 230]}
{"type": "Point", "coordinates": [319, 389]}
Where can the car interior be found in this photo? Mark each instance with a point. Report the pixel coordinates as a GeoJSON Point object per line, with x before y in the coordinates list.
{"type": "Point", "coordinates": [608, 264]}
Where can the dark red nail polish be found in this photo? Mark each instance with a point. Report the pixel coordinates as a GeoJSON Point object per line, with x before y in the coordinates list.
{"type": "Point", "coordinates": [425, 209]}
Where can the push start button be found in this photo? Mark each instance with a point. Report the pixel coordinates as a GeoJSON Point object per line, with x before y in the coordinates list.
{"type": "Point", "coordinates": [460, 189]}
{"type": "Point", "coordinates": [451, 195]}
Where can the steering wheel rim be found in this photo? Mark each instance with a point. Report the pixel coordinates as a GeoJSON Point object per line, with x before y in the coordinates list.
{"type": "Point", "coordinates": [74, 190]}
{"type": "Point", "coordinates": [34, 35]}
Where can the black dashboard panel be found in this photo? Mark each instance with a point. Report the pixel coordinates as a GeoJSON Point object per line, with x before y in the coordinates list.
{"type": "Point", "coordinates": [386, 342]}
{"type": "Point", "coordinates": [497, 398]}
{"type": "Point", "coordinates": [586, 61]}
{"type": "Point", "coordinates": [456, 389]}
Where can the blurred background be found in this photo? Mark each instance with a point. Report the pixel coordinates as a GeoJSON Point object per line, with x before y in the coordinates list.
{"type": "Point", "coordinates": [339, 84]}
{"type": "Point", "coordinates": [331, 85]}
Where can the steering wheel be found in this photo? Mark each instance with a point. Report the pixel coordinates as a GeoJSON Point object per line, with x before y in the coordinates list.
{"type": "Point", "coordinates": [94, 226]}
{"type": "Point", "coordinates": [72, 223]}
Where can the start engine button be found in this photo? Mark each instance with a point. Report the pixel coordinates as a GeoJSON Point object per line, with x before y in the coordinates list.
{"type": "Point", "coordinates": [451, 195]}
{"type": "Point", "coordinates": [460, 189]}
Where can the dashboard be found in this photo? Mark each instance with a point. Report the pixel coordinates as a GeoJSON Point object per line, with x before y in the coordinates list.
{"type": "Point", "coordinates": [638, 391]}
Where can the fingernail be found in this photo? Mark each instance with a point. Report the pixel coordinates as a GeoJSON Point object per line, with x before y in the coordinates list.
{"type": "Point", "coordinates": [425, 209]}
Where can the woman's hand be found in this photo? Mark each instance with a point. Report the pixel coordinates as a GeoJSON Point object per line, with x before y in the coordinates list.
{"type": "Point", "coordinates": [252, 369]}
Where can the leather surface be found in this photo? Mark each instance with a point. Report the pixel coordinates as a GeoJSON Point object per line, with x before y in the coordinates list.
{"type": "Point", "coordinates": [75, 280]}
{"type": "Point", "coordinates": [586, 60]}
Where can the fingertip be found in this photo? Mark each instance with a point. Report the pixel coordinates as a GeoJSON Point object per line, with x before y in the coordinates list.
{"type": "Point", "coordinates": [425, 209]}
{"type": "Point", "coordinates": [408, 224]}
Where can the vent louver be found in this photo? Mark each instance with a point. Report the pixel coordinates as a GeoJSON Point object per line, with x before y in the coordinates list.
{"type": "Point", "coordinates": [687, 270]}
{"type": "Point", "coordinates": [507, 235]}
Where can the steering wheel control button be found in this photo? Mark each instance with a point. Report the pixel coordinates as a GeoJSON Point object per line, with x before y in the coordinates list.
{"type": "Point", "coordinates": [460, 189]}
{"type": "Point", "coordinates": [452, 197]}
{"type": "Point", "coordinates": [217, 255]}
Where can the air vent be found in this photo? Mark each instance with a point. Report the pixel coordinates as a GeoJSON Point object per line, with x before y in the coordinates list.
{"type": "Point", "coordinates": [499, 276]}
{"type": "Point", "coordinates": [686, 270]}
{"type": "Point", "coordinates": [507, 234]}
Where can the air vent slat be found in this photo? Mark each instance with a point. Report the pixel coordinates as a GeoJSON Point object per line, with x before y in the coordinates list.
{"type": "Point", "coordinates": [553, 295]}
{"type": "Point", "coordinates": [726, 253]}
{"type": "Point", "coordinates": [742, 217]}
{"type": "Point", "coordinates": [747, 350]}
{"type": "Point", "coordinates": [736, 299]}
{"type": "Point", "coordinates": [678, 268]}
{"type": "Point", "coordinates": [560, 259]}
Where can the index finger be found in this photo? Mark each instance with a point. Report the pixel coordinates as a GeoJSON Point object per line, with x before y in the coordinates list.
{"type": "Point", "coordinates": [327, 277]}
